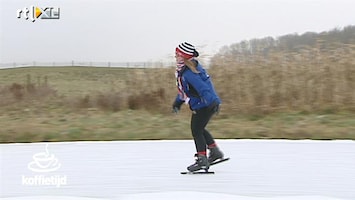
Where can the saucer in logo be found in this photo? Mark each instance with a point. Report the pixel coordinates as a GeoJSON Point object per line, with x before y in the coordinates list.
{"type": "Point", "coordinates": [44, 162]}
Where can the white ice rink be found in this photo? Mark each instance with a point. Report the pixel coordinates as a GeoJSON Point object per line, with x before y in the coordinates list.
{"type": "Point", "coordinates": [150, 170]}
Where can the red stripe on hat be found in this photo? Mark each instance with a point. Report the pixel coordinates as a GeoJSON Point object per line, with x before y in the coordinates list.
{"type": "Point", "coordinates": [183, 54]}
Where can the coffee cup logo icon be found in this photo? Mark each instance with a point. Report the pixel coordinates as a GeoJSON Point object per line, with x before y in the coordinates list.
{"type": "Point", "coordinates": [44, 162]}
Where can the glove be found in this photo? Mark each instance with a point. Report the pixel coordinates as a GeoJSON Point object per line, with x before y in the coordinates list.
{"type": "Point", "coordinates": [177, 106]}
{"type": "Point", "coordinates": [216, 109]}
{"type": "Point", "coordinates": [176, 110]}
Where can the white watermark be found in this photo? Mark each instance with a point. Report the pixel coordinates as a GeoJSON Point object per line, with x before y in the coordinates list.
{"type": "Point", "coordinates": [34, 12]}
{"type": "Point", "coordinates": [44, 162]}
{"type": "Point", "coordinates": [39, 180]}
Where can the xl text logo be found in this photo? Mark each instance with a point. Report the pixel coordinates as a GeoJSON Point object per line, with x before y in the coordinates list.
{"type": "Point", "coordinates": [33, 13]}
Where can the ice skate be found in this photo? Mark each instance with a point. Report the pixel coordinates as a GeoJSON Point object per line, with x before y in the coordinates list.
{"type": "Point", "coordinates": [201, 163]}
{"type": "Point", "coordinates": [214, 154]}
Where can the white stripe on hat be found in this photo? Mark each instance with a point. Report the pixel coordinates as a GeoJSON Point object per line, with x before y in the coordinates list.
{"type": "Point", "coordinates": [187, 48]}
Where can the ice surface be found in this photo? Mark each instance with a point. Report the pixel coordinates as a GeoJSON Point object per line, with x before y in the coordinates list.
{"type": "Point", "coordinates": [132, 170]}
{"type": "Point", "coordinates": [178, 195]}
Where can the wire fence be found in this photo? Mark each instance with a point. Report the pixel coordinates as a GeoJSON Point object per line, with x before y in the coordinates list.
{"type": "Point", "coordinates": [88, 64]}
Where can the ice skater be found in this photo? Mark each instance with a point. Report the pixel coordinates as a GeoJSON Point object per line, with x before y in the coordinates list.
{"type": "Point", "coordinates": [196, 89]}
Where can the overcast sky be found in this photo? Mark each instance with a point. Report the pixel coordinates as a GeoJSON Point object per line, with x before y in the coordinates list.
{"type": "Point", "coordinates": [149, 30]}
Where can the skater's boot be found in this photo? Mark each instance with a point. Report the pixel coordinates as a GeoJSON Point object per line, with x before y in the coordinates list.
{"type": "Point", "coordinates": [201, 163]}
{"type": "Point", "coordinates": [214, 154]}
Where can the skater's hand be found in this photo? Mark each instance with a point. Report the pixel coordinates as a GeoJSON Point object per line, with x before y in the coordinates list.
{"type": "Point", "coordinates": [215, 109]}
{"type": "Point", "coordinates": [176, 110]}
{"type": "Point", "coordinates": [177, 106]}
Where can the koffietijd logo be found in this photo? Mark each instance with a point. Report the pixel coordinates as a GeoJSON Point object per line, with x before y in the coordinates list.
{"type": "Point", "coordinates": [34, 12]}
{"type": "Point", "coordinates": [43, 163]}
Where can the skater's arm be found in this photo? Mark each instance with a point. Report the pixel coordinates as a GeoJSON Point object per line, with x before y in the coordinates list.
{"type": "Point", "coordinates": [177, 104]}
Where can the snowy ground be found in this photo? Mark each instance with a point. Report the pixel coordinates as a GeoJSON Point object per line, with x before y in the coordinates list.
{"type": "Point", "coordinates": [258, 170]}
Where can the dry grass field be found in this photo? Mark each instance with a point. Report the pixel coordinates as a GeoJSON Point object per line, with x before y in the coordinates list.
{"type": "Point", "coordinates": [309, 95]}
{"type": "Point", "coordinates": [310, 81]}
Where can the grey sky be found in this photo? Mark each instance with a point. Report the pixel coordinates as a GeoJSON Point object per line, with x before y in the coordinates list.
{"type": "Point", "coordinates": [149, 30]}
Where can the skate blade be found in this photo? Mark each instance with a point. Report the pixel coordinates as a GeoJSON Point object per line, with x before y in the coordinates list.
{"type": "Point", "coordinates": [197, 172]}
{"type": "Point", "coordinates": [219, 161]}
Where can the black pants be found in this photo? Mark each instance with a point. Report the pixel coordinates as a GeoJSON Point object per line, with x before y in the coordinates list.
{"type": "Point", "coordinates": [199, 121]}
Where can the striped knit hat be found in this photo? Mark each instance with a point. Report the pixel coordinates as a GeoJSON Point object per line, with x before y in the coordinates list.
{"type": "Point", "coordinates": [186, 50]}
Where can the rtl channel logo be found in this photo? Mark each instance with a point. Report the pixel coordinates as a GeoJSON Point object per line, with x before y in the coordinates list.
{"type": "Point", "coordinates": [34, 12]}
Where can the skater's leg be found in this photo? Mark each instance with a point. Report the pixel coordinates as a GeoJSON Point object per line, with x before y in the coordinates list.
{"type": "Point", "coordinates": [202, 138]}
{"type": "Point", "coordinates": [198, 123]}
{"type": "Point", "coordinates": [215, 153]}
{"type": "Point", "coordinates": [209, 138]}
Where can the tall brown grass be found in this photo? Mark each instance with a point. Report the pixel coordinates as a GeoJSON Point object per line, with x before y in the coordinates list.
{"type": "Point", "coordinates": [311, 80]}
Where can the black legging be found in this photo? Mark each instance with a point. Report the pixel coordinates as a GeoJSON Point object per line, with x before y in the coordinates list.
{"type": "Point", "coordinates": [199, 121]}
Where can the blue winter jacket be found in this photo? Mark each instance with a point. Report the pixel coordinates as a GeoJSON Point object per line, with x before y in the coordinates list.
{"type": "Point", "coordinates": [198, 87]}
